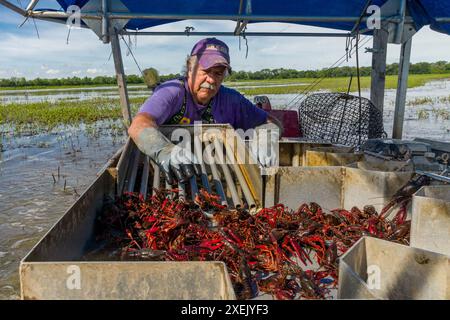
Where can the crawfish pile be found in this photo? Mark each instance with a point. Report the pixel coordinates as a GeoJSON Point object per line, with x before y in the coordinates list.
{"type": "Point", "coordinates": [288, 254]}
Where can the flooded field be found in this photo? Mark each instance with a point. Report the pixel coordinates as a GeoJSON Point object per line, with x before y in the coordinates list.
{"type": "Point", "coordinates": [427, 113]}
{"type": "Point", "coordinates": [41, 175]}
{"type": "Point", "coordinates": [79, 94]}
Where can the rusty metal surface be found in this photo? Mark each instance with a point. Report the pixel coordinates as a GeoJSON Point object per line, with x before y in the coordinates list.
{"type": "Point", "coordinates": [369, 162]}
{"type": "Point", "coordinates": [112, 162]}
{"type": "Point", "coordinates": [331, 156]}
{"type": "Point", "coordinates": [293, 152]}
{"type": "Point", "coordinates": [430, 225]}
{"type": "Point", "coordinates": [125, 280]}
{"type": "Point", "coordinates": [379, 269]}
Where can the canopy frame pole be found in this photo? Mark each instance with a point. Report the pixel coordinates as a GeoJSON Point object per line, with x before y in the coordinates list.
{"type": "Point", "coordinates": [241, 27]}
{"type": "Point", "coordinates": [31, 5]}
{"type": "Point", "coordinates": [402, 86]}
{"type": "Point", "coordinates": [225, 34]}
{"type": "Point", "coordinates": [238, 23]}
{"type": "Point", "coordinates": [400, 25]}
{"type": "Point", "coordinates": [242, 24]}
{"type": "Point", "coordinates": [120, 76]}
{"type": "Point", "coordinates": [13, 7]}
{"type": "Point", "coordinates": [378, 74]}
{"type": "Point", "coordinates": [126, 16]}
{"type": "Point", "coordinates": [105, 22]}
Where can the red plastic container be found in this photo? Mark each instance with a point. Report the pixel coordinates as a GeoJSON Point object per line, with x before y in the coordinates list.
{"type": "Point", "coordinates": [289, 119]}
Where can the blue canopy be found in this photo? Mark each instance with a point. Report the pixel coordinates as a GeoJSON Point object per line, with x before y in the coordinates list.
{"type": "Point", "coordinates": [423, 12]}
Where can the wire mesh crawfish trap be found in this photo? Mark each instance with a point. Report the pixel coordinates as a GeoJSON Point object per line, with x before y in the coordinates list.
{"type": "Point", "coordinates": [340, 118]}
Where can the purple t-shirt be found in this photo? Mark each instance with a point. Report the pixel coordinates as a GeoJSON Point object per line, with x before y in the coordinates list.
{"type": "Point", "coordinates": [228, 106]}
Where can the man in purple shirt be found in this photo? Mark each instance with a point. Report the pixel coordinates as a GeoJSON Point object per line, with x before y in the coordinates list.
{"type": "Point", "coordinates": [199, 96]}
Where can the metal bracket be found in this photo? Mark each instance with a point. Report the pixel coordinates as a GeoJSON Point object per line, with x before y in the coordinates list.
{"type": "Point", "coordinates": [188, 30]}
{"type": "Point", "coordinates": [102, 27]}
{"type": "Point", "coordinates": [372, 50]}
{"type": "Point", "coordinates": [242, 24]}
{"type": "Point", "coordinates": [403, 30]}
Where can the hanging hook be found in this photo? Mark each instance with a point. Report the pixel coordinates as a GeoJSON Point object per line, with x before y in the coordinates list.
{"type": "Point", "coordinates": [135, 39]}
{"type": "Point", "coordinates": [242, 34]}
{"type": "Point", "coordinates": [68, 35]}
{"type": "Point", "coordinates": [188, 30]}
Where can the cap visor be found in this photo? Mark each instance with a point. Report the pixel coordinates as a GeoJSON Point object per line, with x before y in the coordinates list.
{"type": "Point", "coordinates": [209, 61]}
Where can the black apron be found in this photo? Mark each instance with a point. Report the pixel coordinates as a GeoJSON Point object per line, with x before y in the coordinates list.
{"type": "Point", "coordinates": [177, 118]}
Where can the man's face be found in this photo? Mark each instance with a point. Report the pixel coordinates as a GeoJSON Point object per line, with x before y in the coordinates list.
{"type": "Point", "coordinates": [205, 84]}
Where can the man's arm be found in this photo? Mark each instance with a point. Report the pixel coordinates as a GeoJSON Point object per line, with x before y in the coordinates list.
{"type": "Point", "coordinates": [141, 121]}
{"type": "Point", "coordinates": [170, 158]}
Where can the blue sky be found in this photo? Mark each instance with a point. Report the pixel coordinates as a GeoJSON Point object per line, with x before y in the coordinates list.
{"type": "Point", "coordinates": [22, 54]}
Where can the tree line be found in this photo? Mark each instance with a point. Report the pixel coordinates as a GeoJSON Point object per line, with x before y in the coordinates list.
{"type": "Point", "coordinates": [264, 74]}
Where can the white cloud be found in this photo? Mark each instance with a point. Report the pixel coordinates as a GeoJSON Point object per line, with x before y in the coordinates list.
{"type": "Point", "coordinates": [93, 71]}
{"type": "Point", "coordinates": [16, 73]}
{"type": "Point", "coordinates": [52, 43]}
{"type": "Point", "coordinates": [89, 56]}
{"type": "Point", "coordinates": [52, 71]}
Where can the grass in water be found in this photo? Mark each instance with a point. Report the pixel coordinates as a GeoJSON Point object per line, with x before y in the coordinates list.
{"type": "Point", "coordinates": [48, 115]}
{"type": "Point", "coordinates": [44, 116]}
{"type": "Point", "coordinates": [420, 100]}
{"type": "Point", "coordinates": [332, 84]}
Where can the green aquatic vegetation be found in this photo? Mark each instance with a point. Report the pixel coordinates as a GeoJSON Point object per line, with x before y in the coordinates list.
{"type": "Point", "coordinates": [441, 113]}
{"type": "Point", "coordinates": [423, 114]}
{"type": "Point", "coordinates": [332, 84]}
{"type": "Point", "coordinates": [444, 99]}
{"type": "Point", "coordinates": [420, 100]}
{"type": "Point", "coordinates": [33, 118]}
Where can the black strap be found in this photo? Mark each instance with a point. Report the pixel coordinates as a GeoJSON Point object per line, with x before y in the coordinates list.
{"type": "Point", "coordinates": [177, 118]}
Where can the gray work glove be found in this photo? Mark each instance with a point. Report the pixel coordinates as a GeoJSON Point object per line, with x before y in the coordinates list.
{"type": "Point", "coordinates": [265, 144]}
{"type": "Point", "coordinates": [173, 160]}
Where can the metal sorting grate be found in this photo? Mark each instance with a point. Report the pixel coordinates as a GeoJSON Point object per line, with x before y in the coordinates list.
{"type": "Point", "coordinates": [337, 118]}
{"type": "Point", "coordinates": [220, 175]}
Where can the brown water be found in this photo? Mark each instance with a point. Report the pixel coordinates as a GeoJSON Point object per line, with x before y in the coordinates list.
{"type": "Point", "coordinates": [30, 199]}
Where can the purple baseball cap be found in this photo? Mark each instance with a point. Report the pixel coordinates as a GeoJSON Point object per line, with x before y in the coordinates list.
{"type": "Point", "coordinates": [211, 52]}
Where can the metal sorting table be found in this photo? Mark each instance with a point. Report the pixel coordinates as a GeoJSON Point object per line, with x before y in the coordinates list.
{"type": "Point", "coordinates": [56, 268]}
{"type": "Point", "coordinates": [379, 269]}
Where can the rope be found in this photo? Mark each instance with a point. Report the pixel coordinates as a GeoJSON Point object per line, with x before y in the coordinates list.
{"type": "Point", "coordinates": [356, 27]}
{"type": "Point", "coordinates": [131, 52]}
{"type": "Point", "coordinates": [68, 35]}
{"type": "Point", "coordinates": [345, 107]}
{"type": "Point", "coordinates": [26, 19]}
{"type": "Point", "coordinates": [347, 55]}
{"type": "Point", "coordinates": [359, 86]}
{"type": "Point", "coordinates": [311, 86]}
{"type": "Point", "coordinates": [246, 41]}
